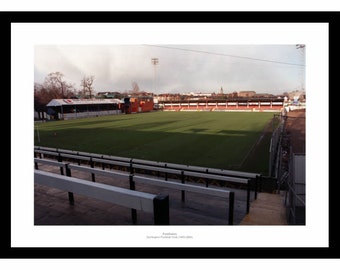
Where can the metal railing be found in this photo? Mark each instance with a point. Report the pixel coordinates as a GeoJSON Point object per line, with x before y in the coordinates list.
{"type": "Point", "coordinates": [67, 167]}
{"type": "Point", "coordinates": [295, 194]}
{"type": "Point", "coordinates": [250, 181]}
{"type": "Point", "coordinates": [158, 205]}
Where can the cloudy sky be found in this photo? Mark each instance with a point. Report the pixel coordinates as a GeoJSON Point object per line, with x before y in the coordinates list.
{"type": "Point", "coordinates": [181, 68]}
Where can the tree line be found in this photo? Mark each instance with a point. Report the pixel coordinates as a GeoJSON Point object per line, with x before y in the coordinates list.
{"type": "Point", "coordinates": [55, 87]}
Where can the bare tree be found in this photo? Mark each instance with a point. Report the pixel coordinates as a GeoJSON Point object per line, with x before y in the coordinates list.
{"type": "Point", "coordinates": [54, 83]}
{"type": "Point", "coordinates": [54, 87]}
{"type": "Point", "coordinates": [86, 83]}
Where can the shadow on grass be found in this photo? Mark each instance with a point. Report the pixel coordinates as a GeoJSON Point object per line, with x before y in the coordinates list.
{"type": "Point", "coordinates": [224, 150]}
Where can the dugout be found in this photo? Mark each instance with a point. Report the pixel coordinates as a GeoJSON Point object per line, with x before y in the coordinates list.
{"type": "Point", "coordinates": [80, 108]}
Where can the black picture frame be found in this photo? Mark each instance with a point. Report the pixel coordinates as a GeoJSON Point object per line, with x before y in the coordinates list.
{"type": "Point", "coordinates": [7, 18]}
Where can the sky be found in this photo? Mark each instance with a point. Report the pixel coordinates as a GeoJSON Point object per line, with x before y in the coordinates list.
{"type": "Point", "coordinates": [181, 68]}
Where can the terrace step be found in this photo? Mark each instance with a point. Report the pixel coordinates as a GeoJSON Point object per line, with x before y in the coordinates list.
{"type": "Point", "coordinates": [268, 209]}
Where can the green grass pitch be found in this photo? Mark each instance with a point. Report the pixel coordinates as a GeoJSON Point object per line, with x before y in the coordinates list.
{"type": "Point", "coordinates": [209, 139]}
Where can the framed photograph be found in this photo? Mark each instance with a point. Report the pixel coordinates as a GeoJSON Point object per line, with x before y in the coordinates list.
{"type": "Point", "coordinates": [192, 53]}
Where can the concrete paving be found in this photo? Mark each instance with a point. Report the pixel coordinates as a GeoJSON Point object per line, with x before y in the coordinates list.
{"type": "Point", "coordinates": [268, 209]}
